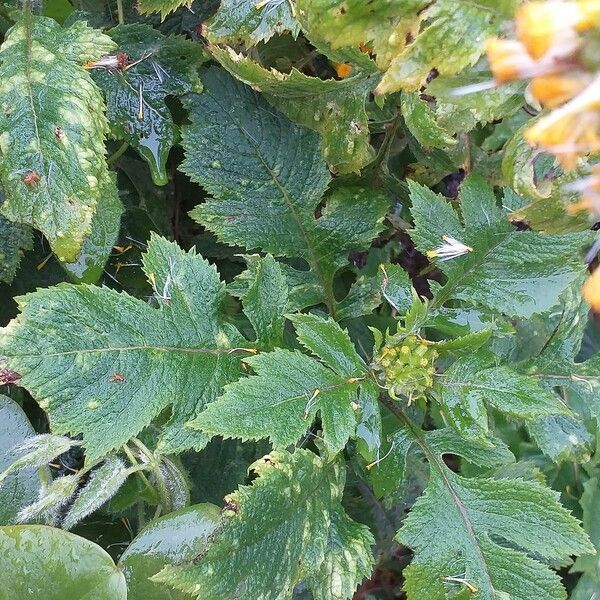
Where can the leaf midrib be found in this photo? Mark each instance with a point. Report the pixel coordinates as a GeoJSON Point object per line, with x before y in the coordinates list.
{"type": "Point", "coordinates": [213, 351]}
{"type": "Point", "coordinates": [329, 298]}
{"type": "Point", "coordinates": [440, 469]}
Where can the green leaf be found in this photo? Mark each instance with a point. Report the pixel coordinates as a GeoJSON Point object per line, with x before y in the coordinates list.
{"type": "Point", "coordinates": [102, 485]}
{"type": "Point", "coordinates": [105, 364]}
{"type": "Point", "coordinates": [98, 244]}
{"type": "Point", "coordinates": [53, 168]}
{"type": "Point", "coordinates": [562, 438]}
{"type": "Point", "coordinates": [590, 503]}
{"type": "Point", "coordinates": [168, 67]}
{"type": "Point", "coordinates": [348, 23]}
{"type": "Point", "coordinates": [422, 122]}
{"type": "Point", "coordinates": [35, 451]}
{"type": "Point", "coordinates": [462, 112]}
{"type": "Point", "coordinates": [513, 272]}
{"type": "Point", "coordinates": [15, 238]}
{"type": "Point", "coordinates": [519, 161]}
{"type": "Point", "coordinates": [288, 527]}
{"type": "Point", "coordinates": [42, 562]}
{"type": "Point", "coordinates": [554, 368]}
{"type": "Point", "coordinates": [548, 213]}
{"type": "Point", "coordinates": [281, 401]}
{"type": "Point", "coordinates": [464, 390]}
{"type": "Point", "coordinates": [409, 37]}
{"type": "Point", "coordinates": [51, 501]}
{"type": "Point", "coordinates": [267, 178]}
{"type": "Point", "coordinates": [266, 301]}
{"type": "Point", "coordinates": [173, 539]}
{"type": "Point", "coordinates": [388, 474]}
{"type": "Point", "coordinates": [21, 488]}
{"type": "Point", "coordinates": [329, 342]}
{"type": "Point", "coordinates": [491, 536]}
{"type": "Point", "coordinates": [333, 108]}
{"type": "Point", "coordinates": [396, 287]}
{"type": "Point", "coordinates": [164, 7]}
{"type": "Point", "coordinates": [249, 22]}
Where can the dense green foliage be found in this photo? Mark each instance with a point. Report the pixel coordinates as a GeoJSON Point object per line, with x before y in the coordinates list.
{"type": "Point", "coordinates": [283, 314]}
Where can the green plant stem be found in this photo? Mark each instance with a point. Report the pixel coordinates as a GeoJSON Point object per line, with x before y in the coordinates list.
{"type": "Point", "coordinates": [118, 153]}
{"type": "Point", "coordinates": [133, 460]}
{"type": "Point", "coordinates": [120, 15]}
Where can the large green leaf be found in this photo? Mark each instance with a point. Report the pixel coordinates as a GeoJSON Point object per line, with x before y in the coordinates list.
{"type": "Point", "coordinates": [513, 272]}
{"type": "Point", "coordinates": [15, 238]}
{"type": "Point", "coordinates": [452, 528]}
{"type": "Point", "coordinates": [249, 22]}
{"type": "Point", "coordinates": [135, 97]}
{"type": "Point", "coordinates": [21, 488]}
{"type": "Point", "coordinates": [105, 364]}
{"type": "Point", "coordinates": [290, 388]}
{"type": "Point", "coordinates": [409, 37]}
{"type": "Point", "coordinates": [173, 539]}
{"type": "Point", "coordinates": [465, 389]}
{"type": "Point", "coordinates": [40, 562]}
{"type": "Point", "coordinates": [288, 526]}
{"type": "Point", "coordinates": [267, 179]}
{"type": "Point", "coordinates": [333, 108]}
{"type": "Point", "coordinates": [53, 169]}
{"type": "Point", "coordinates": [491, 536]}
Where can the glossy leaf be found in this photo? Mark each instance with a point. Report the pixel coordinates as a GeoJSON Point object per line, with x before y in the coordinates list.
{"type": "Point", "coordinates": [173, 539]}
{"type": "Point", "coordinates": [135, 95]}
{"type": "Point", "coordinates": [42, 562]}
{"type": "Point", "coordinates": [54, 124]}
{"type": "Point", "coordinates": [292, 518]}
{"type": "Point", "coordinates": [410, 37]}
{"type": "Point", "coordinates": [98, 244]}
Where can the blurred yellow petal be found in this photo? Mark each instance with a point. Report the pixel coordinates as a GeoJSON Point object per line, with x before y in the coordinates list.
{"type": "Point", "coordinates": [573, 129]}
{"type": "Point", "coordinates": [591, 290]}
{"type": "Point", "coordinates": [545, 27]}
{"type": "Point", "coordinates": [508, 60]}
{"type": "Point", "coordinates": [589, 14]}
{"type": "Point", "coordinates": [554, 90]}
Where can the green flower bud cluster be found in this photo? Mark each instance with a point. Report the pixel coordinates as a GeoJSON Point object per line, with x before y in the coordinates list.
{"type": "Point", "coordinates": [405, 367]}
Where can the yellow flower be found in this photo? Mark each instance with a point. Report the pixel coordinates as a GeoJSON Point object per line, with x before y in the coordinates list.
{"type": "Point", "coordinates": [554, 90]}
{"type": "Point", "coordinates": [552, 26]}
{"type": "Point", "coordinates": [591, 290]}
{"type": "Point", "coordinates": [572, 130]}
{"type": "Point", "coordinates": [509, 60]}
